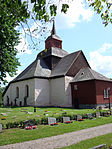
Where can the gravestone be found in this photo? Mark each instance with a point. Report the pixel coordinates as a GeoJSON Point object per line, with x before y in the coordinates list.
{"type": "Point", "coordinates": [51, 120]}
{"type": "Point", "coordinates": [0, 127]}
{"type": "Point", "coordinates": [97, 114]}
{"type": "Point", "coordinates": [111, 112]}
{"type": "Point", "coordinates": [79, 117]}
{"type": "Point", "coordinates": [89, 116]}
{"type": "Point", "coordinates": [65, 119]}
{"type": "Point", "coordinates": [28, 123]}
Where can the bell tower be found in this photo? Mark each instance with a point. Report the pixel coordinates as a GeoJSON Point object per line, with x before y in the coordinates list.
{"type": "Point", "coordinates": [53, 52]}
{"type": "Point", "coordinates": [53, 40]}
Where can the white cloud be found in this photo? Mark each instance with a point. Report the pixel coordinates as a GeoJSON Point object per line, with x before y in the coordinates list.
{"type": "Point", "coordinates": [77, 12]}
{"type": "Point", "coordinates": [100, 61]}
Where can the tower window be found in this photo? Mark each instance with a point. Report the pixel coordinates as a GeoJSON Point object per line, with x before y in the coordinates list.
{"type": "Point", "coordinates": [57, 44]}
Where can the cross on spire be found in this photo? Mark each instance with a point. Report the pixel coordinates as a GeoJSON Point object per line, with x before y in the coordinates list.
{"type": "Point", "coordinates": [53, 32]}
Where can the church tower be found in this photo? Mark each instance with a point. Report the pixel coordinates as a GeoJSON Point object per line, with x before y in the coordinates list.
{"type": "Point", "coordinates": [53, 40]}
{"type": "Point", "coordinates": [53, 49]}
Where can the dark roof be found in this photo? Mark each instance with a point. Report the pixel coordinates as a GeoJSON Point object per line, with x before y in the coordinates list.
{"type": "Point", "coordinates": [54, 51]}
{"type": "Point", "coordinates": [53, 33]}
{"type": "Point", "coordinates": [88, 74]}
{"type": "Point", "coordinates": [54, 37]}
{"type": "Point", "coordinates": [37, 69]}
{"type": "Point", "coordinates": [64, 64]}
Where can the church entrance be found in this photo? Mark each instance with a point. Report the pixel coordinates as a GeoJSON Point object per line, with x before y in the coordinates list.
{"type": "Point", "coordinates": [76, 103]}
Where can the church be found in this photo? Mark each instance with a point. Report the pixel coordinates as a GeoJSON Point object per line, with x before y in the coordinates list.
{"type": "Point", "coordinates": [56, 78]}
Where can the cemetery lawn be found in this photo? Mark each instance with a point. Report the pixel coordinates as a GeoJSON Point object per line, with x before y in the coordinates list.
{"type": "Point", "coordinates": [16, 135]}
{"type": "Point", "coordinates": [104, 139]}
{"type": "Point", "coordinates": [20, 113]}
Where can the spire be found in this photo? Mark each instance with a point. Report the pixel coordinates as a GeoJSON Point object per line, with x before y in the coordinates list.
{"type": "Point", "coordinates": [53, 32]}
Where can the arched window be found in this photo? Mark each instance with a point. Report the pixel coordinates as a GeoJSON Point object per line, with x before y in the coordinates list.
{"type": "Point", "coordinates": [17, 92]}
{"type": "Point", "coordinates": [108, 92]}
{"type": "Point", "coordinates": [26, 91]}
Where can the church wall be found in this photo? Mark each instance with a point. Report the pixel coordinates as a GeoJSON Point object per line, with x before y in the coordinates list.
{"type": "Point", "coordinates": [42, 92]}
{"type": "Point", "coordinates": [57, 92]}
{"type": "Point", "coordinates": [11, 93]}
{"type": "Point", "coordinates": [68, 96]}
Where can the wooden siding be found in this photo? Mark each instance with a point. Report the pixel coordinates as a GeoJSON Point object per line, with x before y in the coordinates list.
{"type": "Point", "coordinates": [85, 93]}
{"type": "Point", "coordinates": [100, 86]}
{"type": "Point", "coordinates": [80, 62]}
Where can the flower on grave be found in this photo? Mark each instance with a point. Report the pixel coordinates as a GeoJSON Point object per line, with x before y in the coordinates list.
{"type": "Point", "coordinates": [67, 122]}
{"type": "Point", "coordinates": [34, 127]}
{"type": "Point", "coordinates": [30, 127]}
{"type": "Point", "coordinates": [54, 124]}
{"type": "Point", "coordinates": [3, 118]}
{"type": "Point", "coordinates": [80, 119]}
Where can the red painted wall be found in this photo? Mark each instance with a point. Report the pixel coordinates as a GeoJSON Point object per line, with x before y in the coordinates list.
{"type": "Point", "coordinates": [100, 86]}
{"type": "Point", "coordinates": [85, 92]}
{"type": "Point", "coordinates": [53, 43]}
{"type": "Point", "coordinates": [91, 92]}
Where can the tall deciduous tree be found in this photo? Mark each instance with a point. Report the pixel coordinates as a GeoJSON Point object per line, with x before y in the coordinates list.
{"type": "Point", "coordinates": [13, 12]}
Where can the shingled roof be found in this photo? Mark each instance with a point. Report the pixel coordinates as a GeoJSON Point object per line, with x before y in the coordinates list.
{"type": "Point", "coordinates": [88, 74]}
{"type": "Point", "coordinates": [53, 51]}
{"type": "Point", "coordinates": [65, 64]}
{"type": "Point", "coordinates": [37, 69]}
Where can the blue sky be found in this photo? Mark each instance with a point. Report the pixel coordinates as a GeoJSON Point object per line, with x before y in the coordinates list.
{"type": "Point", "coordinates": [79, 29]}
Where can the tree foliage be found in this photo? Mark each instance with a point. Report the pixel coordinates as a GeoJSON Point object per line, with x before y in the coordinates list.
{"type": "Point", "coordinates": [16, 12]}
{"type": "Point", "coordinates": [12, 14]}
{"type": "Point", "coordinates": [104, 8]}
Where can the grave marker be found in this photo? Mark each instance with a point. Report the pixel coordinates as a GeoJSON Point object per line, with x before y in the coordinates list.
{"type": "Point", "coordinates": [89, 116]}
{"type": "Point", "coordinates": [97, 114]}
{"type": "Point", "coordinates": [0, 127]}
{"type": "Point", "coordinates": [79, 117]}
{"type": "Point", "coordinates": [66, 119]}
{"type": "Point", "coordinates": [51, 120]}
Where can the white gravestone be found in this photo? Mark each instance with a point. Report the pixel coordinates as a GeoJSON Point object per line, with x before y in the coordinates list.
{"type": "Point", "coordinates": [51, 120]}
{"type": "Point", "coordinates": [97, 114]}
{"type": "Point", "coordinates": [0, 127]}
{"type": "Point", "coordinates": [79, 117]}
{"type": "Point", "coordinates": [65, 119]}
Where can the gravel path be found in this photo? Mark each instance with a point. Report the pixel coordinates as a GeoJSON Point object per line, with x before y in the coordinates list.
{"type": "Point", "coordinates": [62, 140]}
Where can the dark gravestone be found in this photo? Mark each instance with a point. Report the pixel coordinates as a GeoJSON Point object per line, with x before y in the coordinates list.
{"type": "Point", "coordinates": [79, 117]}
{"type": "Point", "coordinates": [89, 116]}
{"type": "Point", "coordinates": [111, 112]}
{"type": "Point", "coordinates": [51, 120]}
{"type": "Point", "coordinates": [28, 123]}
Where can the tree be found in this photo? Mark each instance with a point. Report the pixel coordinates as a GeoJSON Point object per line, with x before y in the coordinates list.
{"type": "Point", "coordinates": [12, 14]}
{"type": "Point", "coordinates": [16, 12]}
{"type": "Point", "coordinates": [104, 8]}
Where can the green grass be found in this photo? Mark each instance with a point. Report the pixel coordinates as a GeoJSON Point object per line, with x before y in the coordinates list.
{"type": "Point", "coordinates": [16, 114]}
{"type": "Point", "coordinates": [9, 136]}
{"type": "Point", "coordinates": [86, 144]}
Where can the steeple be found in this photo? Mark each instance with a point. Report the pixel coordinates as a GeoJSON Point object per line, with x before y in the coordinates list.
{"type": "Point", "coordinates": [53, 40]}
{"type": "Point", "coordinates": [53, 32]}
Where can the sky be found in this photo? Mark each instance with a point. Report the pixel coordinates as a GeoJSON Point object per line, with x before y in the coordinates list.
{"type": "Point", "coordinates": [80, 29]}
